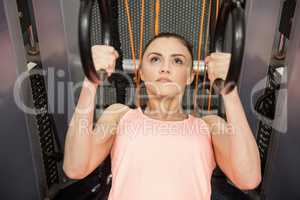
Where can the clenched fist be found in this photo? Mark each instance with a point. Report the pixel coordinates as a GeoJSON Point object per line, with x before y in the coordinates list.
{"type": "Point", "coordinates": [217, 65]}
{"type": "Point", "coordinates": [104, 57]}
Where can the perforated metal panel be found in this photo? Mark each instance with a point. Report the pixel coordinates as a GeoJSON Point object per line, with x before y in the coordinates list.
{"type": "Point", "coordinates": [176, 16]}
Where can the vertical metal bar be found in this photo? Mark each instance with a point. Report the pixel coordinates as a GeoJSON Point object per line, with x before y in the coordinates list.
{"type": "Point", "coordinates": [261, 22]}
{"type": "Point", "coordinates": [282, 177]}
{"type": "Point", "coordinates": [22, 175]}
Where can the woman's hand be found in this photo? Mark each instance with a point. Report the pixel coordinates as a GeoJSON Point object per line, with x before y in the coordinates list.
{"type": "Point", "coordinates": [218, 65]}
{"type": "Point", "coordinates": [104, 57]}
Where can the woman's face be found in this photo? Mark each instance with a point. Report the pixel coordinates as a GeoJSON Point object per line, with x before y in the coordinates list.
{"type": "Point", "coordinates": [166, 58]}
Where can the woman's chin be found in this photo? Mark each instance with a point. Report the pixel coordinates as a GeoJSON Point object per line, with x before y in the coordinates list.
{"type": "Point", "coordinates": [164, 90]}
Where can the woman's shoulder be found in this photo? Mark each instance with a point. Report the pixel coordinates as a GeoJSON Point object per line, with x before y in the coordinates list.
{"type": "Point", "coordinates": [119, 107]}
{"type": "Point", "coordinates": [211, 119]}
{"type": "Point", "coordinates": [207, 119]}
{"type": "Point", "coordinates": [116, 111]}
{"type": "Point", "coordinates": [215, 123]}
{"type": "Point", "coordinates": [199, 121]}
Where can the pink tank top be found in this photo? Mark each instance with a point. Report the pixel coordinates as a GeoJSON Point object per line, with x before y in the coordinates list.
{"type": "Point", "coordinates": [161, 160]}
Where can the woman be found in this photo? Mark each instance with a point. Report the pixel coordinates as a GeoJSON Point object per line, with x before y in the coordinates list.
{"type": "Point", "coordinates": [162, 153]}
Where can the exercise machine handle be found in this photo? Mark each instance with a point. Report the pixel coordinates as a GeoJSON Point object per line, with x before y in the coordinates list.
{"type": "Point", "coordinates": [85, 15]}
{"type": "Point", "coordinates": [236, 9]}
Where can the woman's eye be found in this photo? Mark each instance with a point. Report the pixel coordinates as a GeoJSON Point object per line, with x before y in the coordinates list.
{"type": "Point", "coordinates": [178, 61]}
{"type": "Point", "coordinates": [154, 59]}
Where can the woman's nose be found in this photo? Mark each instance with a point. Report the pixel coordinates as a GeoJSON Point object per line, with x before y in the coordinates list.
{"type": "Point", "coordinates": [165, 68]}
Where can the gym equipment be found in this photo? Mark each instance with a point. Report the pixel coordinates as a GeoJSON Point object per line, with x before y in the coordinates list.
{"type": "Point", "coordinates": [85, 39]}
{"type": "Point", "coordinates": [236, 10]}
{"type": "Point", "coordinates": [59, 49]}
{"type": "Point", "coordinates": [285, 25]}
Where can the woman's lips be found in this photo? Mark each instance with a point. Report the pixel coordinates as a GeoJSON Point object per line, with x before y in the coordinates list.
{"type": "Point", "coordinates": [164, 80]}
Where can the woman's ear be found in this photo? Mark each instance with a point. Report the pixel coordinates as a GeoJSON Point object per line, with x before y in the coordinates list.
{"type": "Point", "coordinates": [191, 77]}
{"type": "Point", "coordinates": [140, 72]}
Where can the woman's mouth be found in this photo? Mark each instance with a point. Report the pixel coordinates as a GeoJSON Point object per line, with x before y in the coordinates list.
{"type": "Point", "coordinates": [164, 80]}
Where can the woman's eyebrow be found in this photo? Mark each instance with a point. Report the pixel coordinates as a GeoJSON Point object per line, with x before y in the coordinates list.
{"type": "Point", "coordinates": [173, 55]}
{"type": "Point", "coordinates": [159, 54]}
{"type": "Point", "coordinates": [178, 54]}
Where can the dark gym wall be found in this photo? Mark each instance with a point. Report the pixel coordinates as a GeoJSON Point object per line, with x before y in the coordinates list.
{"type": "Point", "coordinates": [282, 180]}
{"type": "Point", "coordinates": [18, 166]}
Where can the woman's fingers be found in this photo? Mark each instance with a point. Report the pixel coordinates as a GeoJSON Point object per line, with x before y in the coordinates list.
{"type": "Point", "coordinates": [207, 59]}
{"type": "Point", "coordinates": [116, 54]}
{"type": "Point", "coordinates": [220, 55]}
{"type": "Point", "coordinates": [218, 65]}
{"type": "Point", "coordinates": [104, 57]}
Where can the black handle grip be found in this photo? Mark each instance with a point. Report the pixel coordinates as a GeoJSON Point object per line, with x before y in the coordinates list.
{"type": "Point", "coordinates": [85, 38]}
{"type": "Point", "coordinates": [236, 9]}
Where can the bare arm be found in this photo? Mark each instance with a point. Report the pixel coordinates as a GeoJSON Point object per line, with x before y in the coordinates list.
{"type": "Point", "coordinates": [236, 151]}
{"type": "Point", "coordinates": [85, 147]}
{"type": "Point", "coordinates": [106, 127]}
{"type": "Point", "coordinates": [78, 138]}
{"type": "Point", "coordinates": [234, 145]}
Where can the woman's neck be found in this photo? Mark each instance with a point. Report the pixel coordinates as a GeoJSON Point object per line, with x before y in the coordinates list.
{"type": "Point", "coordinates": [165, 108]}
